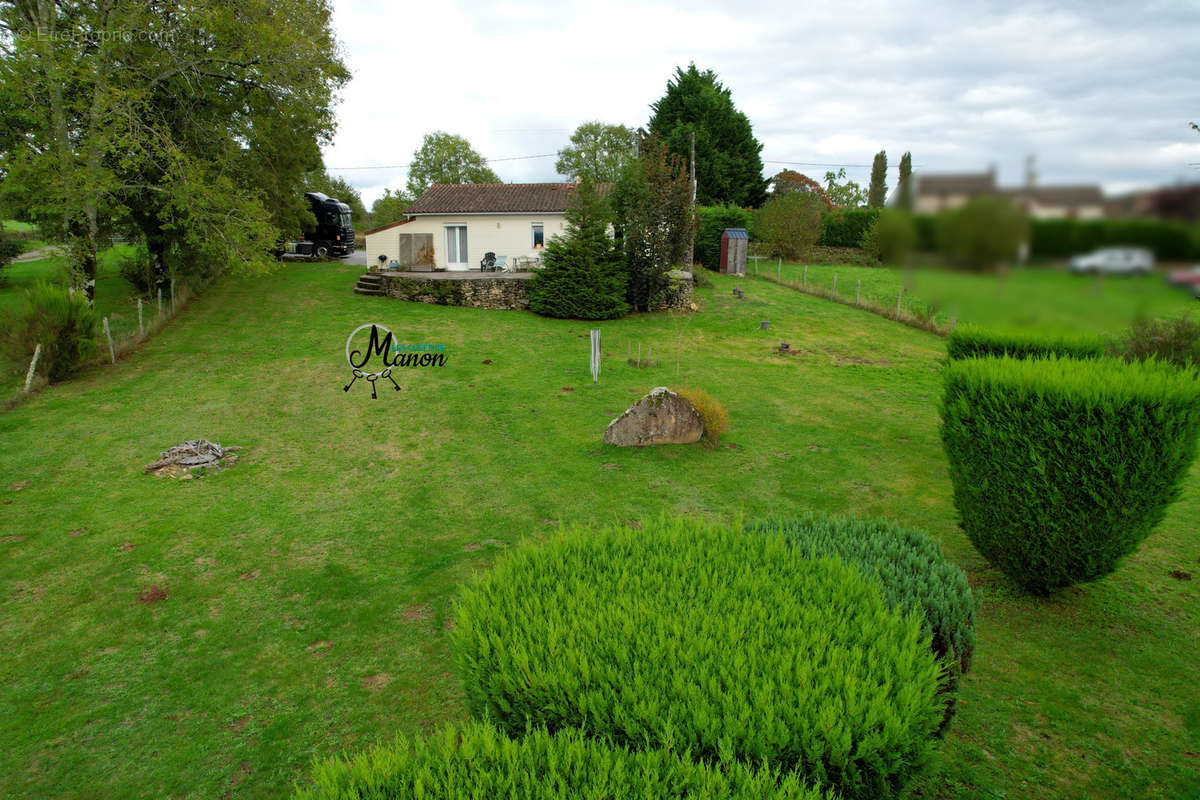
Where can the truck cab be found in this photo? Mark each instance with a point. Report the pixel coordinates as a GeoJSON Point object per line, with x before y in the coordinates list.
{"type": "Point", "coordinates": [334, 234]}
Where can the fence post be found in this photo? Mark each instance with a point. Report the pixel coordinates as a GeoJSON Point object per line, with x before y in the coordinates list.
{"type": "Point", "coordinates": [806, 276]}
{"type": "Point", "coordinates": [141, 329]}
{"type": "Point", "coordinates": [37, 352]}
{"type": "Point", "coordinates": [108, 334]}
{"type": "Point", "coordinates": [595, 356]}
{"type": "Point", "coordinates": [835, 284]}
{"type": "Point", "coordinates": [858, 293]}
{"type": "Point", "coordinates": [779, 270]}
{"type": "Point", "coordinates": [899, 296]}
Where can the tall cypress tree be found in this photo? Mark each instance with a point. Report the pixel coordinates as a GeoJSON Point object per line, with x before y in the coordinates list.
{"type": "Point", "coordinates": [728, 157]}
{"type": "Point", "coordinates": [905, 187]}
{"type": "Point", "coordinates": [877, 192]}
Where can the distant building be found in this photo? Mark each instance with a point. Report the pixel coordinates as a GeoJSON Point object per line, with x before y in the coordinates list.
{"type": "Point", "coordinates": [936, 193]}
{"type": "Point", "coordinates": [1180, 202]}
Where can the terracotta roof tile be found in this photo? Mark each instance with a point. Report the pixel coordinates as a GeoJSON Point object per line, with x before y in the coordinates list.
{"type": "Point", "coordinates": [493, 198]}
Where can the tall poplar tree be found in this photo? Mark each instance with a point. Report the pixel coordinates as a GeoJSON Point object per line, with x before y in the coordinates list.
{"type": "Point", "coordinates": [877, 190]}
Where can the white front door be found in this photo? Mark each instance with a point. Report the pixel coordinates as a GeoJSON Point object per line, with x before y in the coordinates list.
{"type": "Point", "coordinates": [456, 247]}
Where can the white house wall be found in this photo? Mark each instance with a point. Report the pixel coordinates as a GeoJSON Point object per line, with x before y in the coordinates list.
{"type": "Point", "coordinates": [503, 234]}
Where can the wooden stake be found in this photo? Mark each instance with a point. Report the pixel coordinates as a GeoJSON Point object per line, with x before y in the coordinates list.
{"type": "Point", "coordinates": [858, 294]}
{"type": "Point", "coordinates": [835, 284]}
{"type": "Point", "coordinates": [141, 329]}
{"type": "Point", "coordinates": [111, 353]}
{"type": "Point", "coordinates": [899, 296]}
{"type": "Point", "coordinates": [779, 270]}
{"type": "Point", "coordinates": [37, 353]}
{"type": "Point", "coordinates": [806, 276]}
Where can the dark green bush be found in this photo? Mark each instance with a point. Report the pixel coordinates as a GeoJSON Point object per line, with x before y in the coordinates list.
{"type": "Point", "coordinates": [64, 324]}
{"type": "Point", "coordinates": [1061, 238]}
{"type": "Point", "coordinates": [11, 246]}
{"type": "Point", "coordinates": [846, 227]}
{"type": "Point", "coordinates": [700, 638]}
{"type": "Point", "coordinates": [1062, 467]}
{"type": "Point", "coordinates": [970, 342]}
{"type": "Point", "coordinates": [908, 564]}
{"type": "Point", "coordinates": [477, 761]}
{"type": "Point", "coordinates": [1175, 341]}
{"type": "Point", "coordinates": [891, 237]}
{"type": "Point", "coordinates": [710, 222]}
{"type": "Point", "coordinates": [983, 233]}
{"type": "Point", "coordinates": [138, 270]}
{"type": "Point", "coordinates": [789, 224]}
{"type": "Point", "coordinates": [927, 236]}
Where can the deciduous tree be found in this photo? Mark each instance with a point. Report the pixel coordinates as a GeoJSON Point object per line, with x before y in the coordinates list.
{"type": "Point", "coordinates": [653, 201]}
{"type": "Point", "coordinates": [389, 207]}
{"type": "Point", "coordinates": [842, 192]}
{"type": "Point", "coordinates": [446, 158]}
{"type": "Point", "coordinates": [597, 152]}
{"type": "Point", "coordinates": [192, 129]}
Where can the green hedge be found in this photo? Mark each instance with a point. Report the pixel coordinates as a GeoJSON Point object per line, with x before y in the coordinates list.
{"type": "Point", "coordinates": [846, 227]}
{"type": "Point", "coordinates": [971, 342]}
{"type": "Point", "coordinates": [1062, 467]}
{"type": "Point", "coordinates": [477, 761]}
{"type": "Point", "coordinates": [698, 637]}
{"type": "Point", "coordinates": [710, 222]}
{"type": "Point", "coordinates": [1061, 238]}
{"type": "Point", "coordinates": [909, 566]}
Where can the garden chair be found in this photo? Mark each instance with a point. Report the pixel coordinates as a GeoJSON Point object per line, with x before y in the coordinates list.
{"type": "Point", "coordinates": [488, 262]}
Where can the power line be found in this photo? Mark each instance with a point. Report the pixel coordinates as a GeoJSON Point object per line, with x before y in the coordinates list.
{"type": "Point", "coordinates": [815, 164]}
{"type": "Point", "coordinates": [406, 166]}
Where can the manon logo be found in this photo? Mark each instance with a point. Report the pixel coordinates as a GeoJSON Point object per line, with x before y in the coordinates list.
{"type": "Point", "coordinates": [383, 354]}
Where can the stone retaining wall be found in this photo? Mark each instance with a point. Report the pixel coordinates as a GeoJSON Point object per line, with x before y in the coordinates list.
{"type": "Point", "coordinates": [477, 292]}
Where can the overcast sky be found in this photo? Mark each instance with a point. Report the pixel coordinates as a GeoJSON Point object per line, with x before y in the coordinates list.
{"type": "Point", "coordinates": [1099, 92]}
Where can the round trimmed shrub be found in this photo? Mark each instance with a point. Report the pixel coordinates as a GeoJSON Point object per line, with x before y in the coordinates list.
{"type": "Point", "coordinates": [910, 568]}
{"type": "Point", "coordinates": [699, 638]}
{"type": "Point", "coordinates": [1062, 467]}
{"type": "Point", "coordinates": [478, 761]}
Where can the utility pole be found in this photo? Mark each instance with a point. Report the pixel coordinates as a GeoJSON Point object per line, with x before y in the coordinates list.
{"type": "Point", "coordinates": [692, 216]}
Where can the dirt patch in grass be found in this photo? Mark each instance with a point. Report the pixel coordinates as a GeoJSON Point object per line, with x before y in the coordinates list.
{"type": "Point", "coordinates": [153, 594]}
{"type": "Point", "coordinates": [376, 683]}
{"type": "Point", "coordinates": [320, 648]}
{"type": "Point", "coordinates": [416, 613]}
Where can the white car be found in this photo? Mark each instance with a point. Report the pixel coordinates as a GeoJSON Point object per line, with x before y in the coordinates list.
{"type": "Point", "coordinates": [1115, 261]}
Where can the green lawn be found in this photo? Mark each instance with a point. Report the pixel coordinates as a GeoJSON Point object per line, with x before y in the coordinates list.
{"type": "Point", "coordinates": [307, 587]}
{"type": "Point", "coordinates": [1049, 299]}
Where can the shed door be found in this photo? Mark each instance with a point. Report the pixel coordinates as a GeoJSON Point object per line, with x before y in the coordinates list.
{"type": "Point", "coordinates": [456, 247]}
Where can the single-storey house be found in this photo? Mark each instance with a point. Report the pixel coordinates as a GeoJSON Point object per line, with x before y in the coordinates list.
{"type": "Point", "coordinates": [937, 193]}
{"type": "Point", "coordinates": [452, 226]}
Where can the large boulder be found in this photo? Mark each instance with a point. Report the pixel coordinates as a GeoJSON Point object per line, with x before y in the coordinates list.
{"type": "Point", "coordinates": [661, 417]}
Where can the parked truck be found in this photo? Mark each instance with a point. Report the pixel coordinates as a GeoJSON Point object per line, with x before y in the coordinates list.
{"type": "Point", "coordinates": [333, 235]}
